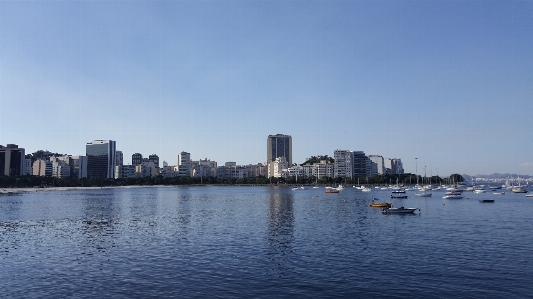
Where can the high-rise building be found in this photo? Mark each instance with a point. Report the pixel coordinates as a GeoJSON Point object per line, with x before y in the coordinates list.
{"type": "Point", "coordinates": [379, 168]}
{"type": "Point", "coordinates": [343, 164]}
{"type": "Point", "coordinates": [361, 164]}
{"type": "Point", "coordinates": [12, 160]}
{"type": "Point", "coordinates": [154, 159]}
{"type": "Point", "coordinates": [279, 146]}
{"type": "Point", "coordinates": [101, 159]}
{"type": "Point", "coordinates": [42, 168]}
{"type": "Point", "coordinates": [136, 159]}
{"type": "Point", "coordinates": [120, 158]}
{"type": "Point", "coordinates": [184, 164]}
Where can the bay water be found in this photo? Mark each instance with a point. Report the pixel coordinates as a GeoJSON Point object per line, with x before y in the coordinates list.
{"type": "Point", "coordinates": [262, 242]}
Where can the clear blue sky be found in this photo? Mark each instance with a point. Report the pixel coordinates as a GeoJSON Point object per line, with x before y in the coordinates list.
{"type": "Point", "coordinates": [447, 82]}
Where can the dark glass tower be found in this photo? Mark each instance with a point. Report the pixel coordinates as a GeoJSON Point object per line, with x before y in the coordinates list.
{"type": "Point", "coordinates": [279, 146]}
{"type": "Point", "coordinates": [101, 159]}
{"type": "Point", "coordinates": [11, 160]}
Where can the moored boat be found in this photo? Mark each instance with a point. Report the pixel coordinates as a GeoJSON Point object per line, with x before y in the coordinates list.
{"type": "Point", "coordinates": [453, 196]}
{"type": "Point", "coordinates": [486, 200]}
{"type": "Point", "coordinates": [423, 194]}
{"type": "Point", "coordinates": [400, 210]}
{"type": "Point", "coordinates": [332, 191]}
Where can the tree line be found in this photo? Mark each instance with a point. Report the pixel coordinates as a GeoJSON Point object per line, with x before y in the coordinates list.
{"type": "Point", "coordinates": [386, 179]}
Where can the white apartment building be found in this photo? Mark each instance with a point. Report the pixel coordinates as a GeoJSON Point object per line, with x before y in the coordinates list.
{"type": "Point", "coordinates": [294, 171]}
{"type": "Point", "coordinates": [42, 168]}
{"type": "Point", "coordinates": [125, 171]}
{"type": "Point", "coordinates": [77, 164]}
{"type": "Point", "coordinates": [379, 167]}
{"type": "Point", "coordinates": [275, 168]}
{"type": "Point", "coordinates": [393, 166]}
{"type": "Point", "coordinates": [319, 170]}
{"type": "Point", "coordinates": [204, 168]}
{"type": "Point", "coordinates": [60, 169]}
{"type": "Point", "coordinates": [344, 164]}
{"type": "Point", "coordinates": [184, 164]}
{"type": "Point", "coordinates": [146, 170]}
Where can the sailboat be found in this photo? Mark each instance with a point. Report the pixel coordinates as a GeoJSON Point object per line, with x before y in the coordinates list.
{"type": "Point", "coordinates": [519, 188]}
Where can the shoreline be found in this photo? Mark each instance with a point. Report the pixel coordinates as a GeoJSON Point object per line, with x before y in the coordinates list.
{"type": "Point", "coordinates": [49, 189]}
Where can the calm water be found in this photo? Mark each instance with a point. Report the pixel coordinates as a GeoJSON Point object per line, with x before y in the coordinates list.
{"type": "Point", "coordinates": [261, 242]}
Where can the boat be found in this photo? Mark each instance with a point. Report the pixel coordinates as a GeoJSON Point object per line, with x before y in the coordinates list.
{"type": "Point", "coordinates": [400, 210]}
{"type": "Point", "coordinates": [453, 196]}
{"type": "Point", "coordinates": [479, 191]}
{"type": "Point", "coordinates": [299, 188]}
{"type": "Point", "coordinates": [366, 189]}
{"type": "Point", "coordinates": [519, 188]}
{"type": "Point", "coordinates": [398, 196]}
{"type": "Point", "coordinates": [423, 194]}
{"type": "Point", "coordinates": [529, 195]}
{"type": "Point", "coordinates": [457, 192]}
{"type": "Point", "coordinates": [379, 204]}
{"type": "Point", "coordinates": [486, 200]}
{"type": "Point", "coordinates": [340, 187]}
{"type": "Point", "coordinates": [332, 191]}
{"type": "Point", "coordinates": [398, 191]}
{"type": "Point", "coordinates": [498, 193]}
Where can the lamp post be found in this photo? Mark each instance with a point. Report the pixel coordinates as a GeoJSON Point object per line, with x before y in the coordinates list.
{"type": "Point", "coordinates": [416, 170]}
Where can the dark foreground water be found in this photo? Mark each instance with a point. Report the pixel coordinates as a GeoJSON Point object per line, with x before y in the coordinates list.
{"type": "Point", "coordinates": [262, 242]}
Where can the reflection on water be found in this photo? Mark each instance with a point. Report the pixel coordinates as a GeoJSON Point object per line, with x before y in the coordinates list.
{"type": "Point", "coordinates": [259, 242]}
{"type": "Point", "coordinates": [281, 223]}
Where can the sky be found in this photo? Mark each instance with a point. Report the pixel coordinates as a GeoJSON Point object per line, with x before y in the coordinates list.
{"type": "Point", "coordinates": [445, 86]}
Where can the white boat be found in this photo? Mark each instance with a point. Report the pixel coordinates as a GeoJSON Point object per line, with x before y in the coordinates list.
{"type": "Point", "coordinates": [340, 187]}
{"type": "Point", "coordinates": [453, 196]}
{"type": "Point", "coordinates": [299, 188]}
{"type": "Point", "coordinates": [529, 195]}
{"type": "Point", "coordinates": [366, 189]}
{"type": "Point", "coordinates": [400, 210]}
{"type": "Point", "coordinates": [454, 193]}
{"type": "Point", "coordinates": [479, 191]}
{"type": "Point", "coordinates": [519, 188]}
{"type": "Point", "coordinates": [423, 194]}
{"type": "Point", "coordinates": [498, 193]}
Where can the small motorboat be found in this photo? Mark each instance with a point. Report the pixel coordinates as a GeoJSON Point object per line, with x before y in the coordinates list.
{"type": "Point", "coordinates": [376, 203]}
{"type": "Point", "coordinates": [453, 196]}
{"type": "Point", "coordinates": [332, 191]}
{"type": "Point", "coordinates": [400, 210]}
{"type": "Point", "coordinates": [399, 196]}
{"type": "Point", "coordinates": [486, 200]}
{"type": "Point", "coordinates": [498, 193]}
{"type": "Point", "coordinates": [423, 194]}
{"type": "Point", "coordinates": [380, 205]}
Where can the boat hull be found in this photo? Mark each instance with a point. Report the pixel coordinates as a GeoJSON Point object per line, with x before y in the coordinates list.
{"type": "Point", "coordinates": [399, 210]}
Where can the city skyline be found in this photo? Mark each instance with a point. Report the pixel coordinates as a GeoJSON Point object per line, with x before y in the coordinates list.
{"type": "Point", "coordinates": [444, 86]}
